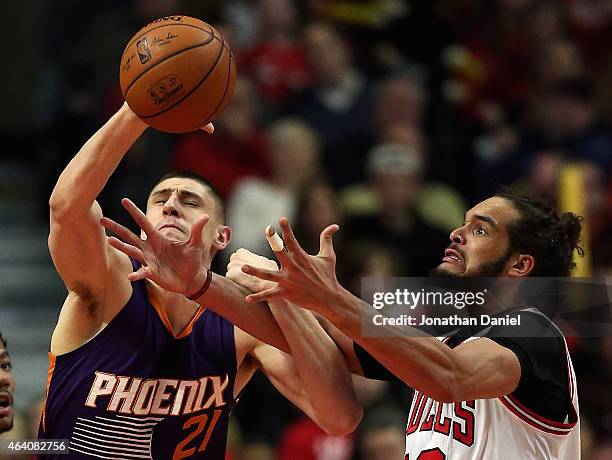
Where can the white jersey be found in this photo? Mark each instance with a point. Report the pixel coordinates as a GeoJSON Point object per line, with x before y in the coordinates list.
{"type": "Point", "coordinates": [500, 428]}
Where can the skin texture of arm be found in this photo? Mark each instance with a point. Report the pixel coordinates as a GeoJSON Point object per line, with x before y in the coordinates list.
{"type": "Point", "coordinates": [478, 369]}
{"type": "Point", "coordinates": [97, 287]}
{"type": "Point", "coordinates": [316, 376]}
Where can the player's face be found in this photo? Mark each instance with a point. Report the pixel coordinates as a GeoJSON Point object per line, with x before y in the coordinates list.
{"type": "Point", "coordinates": [480, 246]}
{"type": "Point", "coordinates": [174, 204]}
{"type": "Point", "coordinates": [7, 388]}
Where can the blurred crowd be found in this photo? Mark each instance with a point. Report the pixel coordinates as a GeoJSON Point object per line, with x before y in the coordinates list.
{"type": "Point", "coordinates": [388, 117]}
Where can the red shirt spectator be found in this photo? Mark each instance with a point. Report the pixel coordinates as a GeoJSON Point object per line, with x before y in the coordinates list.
{"type": "Point", "coordinates": [304, 440]}
{"type": "Point", "coordinates": [222, 158]}
{"type": "Point", "coordinates": [278, 69]}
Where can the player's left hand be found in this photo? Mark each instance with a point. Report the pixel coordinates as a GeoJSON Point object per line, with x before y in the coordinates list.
{"type": "Point", "coordinates": [244, 256]}
{"type": "Point", "coordinates": [173, 265]}
{"type": "Point", "coordinates": [306, 280]}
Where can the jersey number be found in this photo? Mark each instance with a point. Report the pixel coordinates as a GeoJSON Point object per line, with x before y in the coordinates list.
{"type": "Point", "coordinates": [430, 454]}
{"type": "Point", "coordinates": [200, 421]}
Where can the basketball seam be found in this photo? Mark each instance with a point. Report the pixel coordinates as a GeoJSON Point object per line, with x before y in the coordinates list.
{"type": "Point", "coordinates": [194, 88]}
{"type": "Point", "coordinates": [227, 82]}
{"type": "Point", "coordinates": [210, 32]}
{"type": "Point", "coordinates": [127, 90]}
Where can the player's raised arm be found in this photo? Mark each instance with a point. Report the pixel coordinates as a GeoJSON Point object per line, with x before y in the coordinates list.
{"type": "Point", "coordinates": [77, 242]}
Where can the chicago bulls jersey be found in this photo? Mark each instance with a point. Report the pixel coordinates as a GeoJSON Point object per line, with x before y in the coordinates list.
{"type": "Point", "coordinates": [498, 428]}
{"type": "Point", "coordinates": [136, 391]}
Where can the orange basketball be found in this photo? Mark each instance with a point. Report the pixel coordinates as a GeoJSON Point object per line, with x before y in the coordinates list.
{"type": "Point", "coordinates": [177, 73]}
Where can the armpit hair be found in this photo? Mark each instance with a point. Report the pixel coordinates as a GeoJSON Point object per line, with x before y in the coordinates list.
{"type": "Point", "coordinates": [87, 297]}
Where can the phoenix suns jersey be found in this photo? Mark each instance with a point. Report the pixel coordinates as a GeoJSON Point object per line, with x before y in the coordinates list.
{"type": "Point", "coordinates": [137, 391]}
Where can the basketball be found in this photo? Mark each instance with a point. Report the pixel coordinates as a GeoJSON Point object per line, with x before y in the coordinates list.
{"type": "Point", "coordinates": [177, 73]}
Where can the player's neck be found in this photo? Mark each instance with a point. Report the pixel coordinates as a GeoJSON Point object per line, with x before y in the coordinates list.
{"type": "Point", "coordinates": [178, 309]}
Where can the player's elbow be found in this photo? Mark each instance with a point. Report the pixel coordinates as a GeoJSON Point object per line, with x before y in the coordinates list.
{"type": "Point", "coordinates": [445, 389]}
{"type": "Point", "coordinates": [59, 207]}
{"type": "Point", "coordinates": [440, 394]}
{"type": "Point", "coordinates": [344, 422]}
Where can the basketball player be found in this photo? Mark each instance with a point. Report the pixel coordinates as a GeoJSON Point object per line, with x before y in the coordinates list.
{"type": "Point", "coordinates": [7, 388]}
{"type": "Point", "coordinates": [482, 394]}
{"type": "Point", "coordinates": [148, 368]}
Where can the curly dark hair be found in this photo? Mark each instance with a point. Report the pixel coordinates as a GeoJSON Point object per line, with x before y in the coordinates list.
{"type": "Point", "coordinates": [541, 232]}
{"type": "Point", "coordinates": [2, 341]}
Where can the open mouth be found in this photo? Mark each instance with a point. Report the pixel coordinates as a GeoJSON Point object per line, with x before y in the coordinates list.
{"type": "Point", "coordinates": [451, 256]}
{"type": "Point", "coordinates": [6, 402]}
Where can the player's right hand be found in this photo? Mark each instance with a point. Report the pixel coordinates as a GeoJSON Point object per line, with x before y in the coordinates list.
{"type": "Point", "coordinates": [244, 256]}
{"type": "Point", "coordinates": [173, 265]}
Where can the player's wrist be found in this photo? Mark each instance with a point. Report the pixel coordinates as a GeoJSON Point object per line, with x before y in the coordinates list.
{"type": "Point", "coordinates": [199, 284]}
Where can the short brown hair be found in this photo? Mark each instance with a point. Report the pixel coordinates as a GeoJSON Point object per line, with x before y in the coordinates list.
{"type": "Point", "coordinates": [218, 199]}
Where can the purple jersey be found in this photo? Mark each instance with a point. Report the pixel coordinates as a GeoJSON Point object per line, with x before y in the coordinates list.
{"type": "Point", "coordinates": [137, 391]}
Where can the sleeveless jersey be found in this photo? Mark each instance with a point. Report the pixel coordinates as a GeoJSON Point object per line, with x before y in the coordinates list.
{"type": "Point", "coordinates": [137, 391]}
{"type": "Point", "coordinates": [499, 428]}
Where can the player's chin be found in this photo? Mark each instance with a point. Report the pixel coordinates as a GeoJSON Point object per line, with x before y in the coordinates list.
{"type": "Point", "coordinates": [447, 269]}
{"type": "Point", "coordinates": [174, 234]}
{"type": "Point", "coordinates": [6, 422]}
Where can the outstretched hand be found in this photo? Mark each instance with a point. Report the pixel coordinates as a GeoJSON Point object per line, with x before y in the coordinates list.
{"type": "Point", "coordinates": [306, 280]}
{"type": "Point", "coordinates": [173, 265]}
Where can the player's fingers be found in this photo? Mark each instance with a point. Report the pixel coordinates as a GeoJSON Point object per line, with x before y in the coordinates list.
{"type": "Point", "coordinates": [326, 244]}
{"type": "Point", "coordinates": [209, 128]}
{"type": "Point", "coordinates": [277, 245]}
{"type": "Point", "coordinates": [262, 273]}
{"type": "Point", "coordinates": [138, 216]}
{"type": "Point", "coordinates": [127, 249]}
{"type": "Point", "coordinates": [290, 242]}
{"type": "Point", "coordinates": [196, 231]}
{"type": "Point", "coordinates": [122, 232]}
{"type": "Point", "coordinates": [262, 296]}
{"type": "Point", "coordinates": [140, 274]}
{"type": "Point", "coordinates": [274, 240]}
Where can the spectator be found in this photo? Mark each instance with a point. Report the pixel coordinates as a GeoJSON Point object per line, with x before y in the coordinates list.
{"type": "Point", "coordinates": [238, 148]}
{"type": "Point", "coordinates": [338, 105]}
{"type": "Point", "coordinates": [256, 203]}
{"type": "Point", "coordinates": [7, 388]}
{"type": "Point", "coordinates": [381, 436]}
{"type": "Point", "coordinates": [396, 177]}
{"type": "Point", "coordinates": [317, 208]}
{"type": "Point", "coordinates": [277, 63]}
{"type": "Point", "coordinates": [304, 440]}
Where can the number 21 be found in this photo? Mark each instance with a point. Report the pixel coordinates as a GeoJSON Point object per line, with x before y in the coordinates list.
{"type": "Point", "coordinates": [200, 421]}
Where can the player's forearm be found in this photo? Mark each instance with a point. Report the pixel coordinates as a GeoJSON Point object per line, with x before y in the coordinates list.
{"type": "Point", "coordinates": [321, 366]}
{"type": "Point", "coordinates": [85, 176]}
{"type": "Point", "coordinates": [419, 360]}
{"type": "Point", "coordinates": [226, 298]}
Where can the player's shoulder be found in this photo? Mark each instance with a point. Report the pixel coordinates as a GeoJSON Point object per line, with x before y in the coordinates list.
{"type": "Point", "coordinates": [530, 322]}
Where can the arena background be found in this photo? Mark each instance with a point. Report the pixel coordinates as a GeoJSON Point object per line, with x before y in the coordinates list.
{"type": "Point", "coordinates": [388, 117]}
